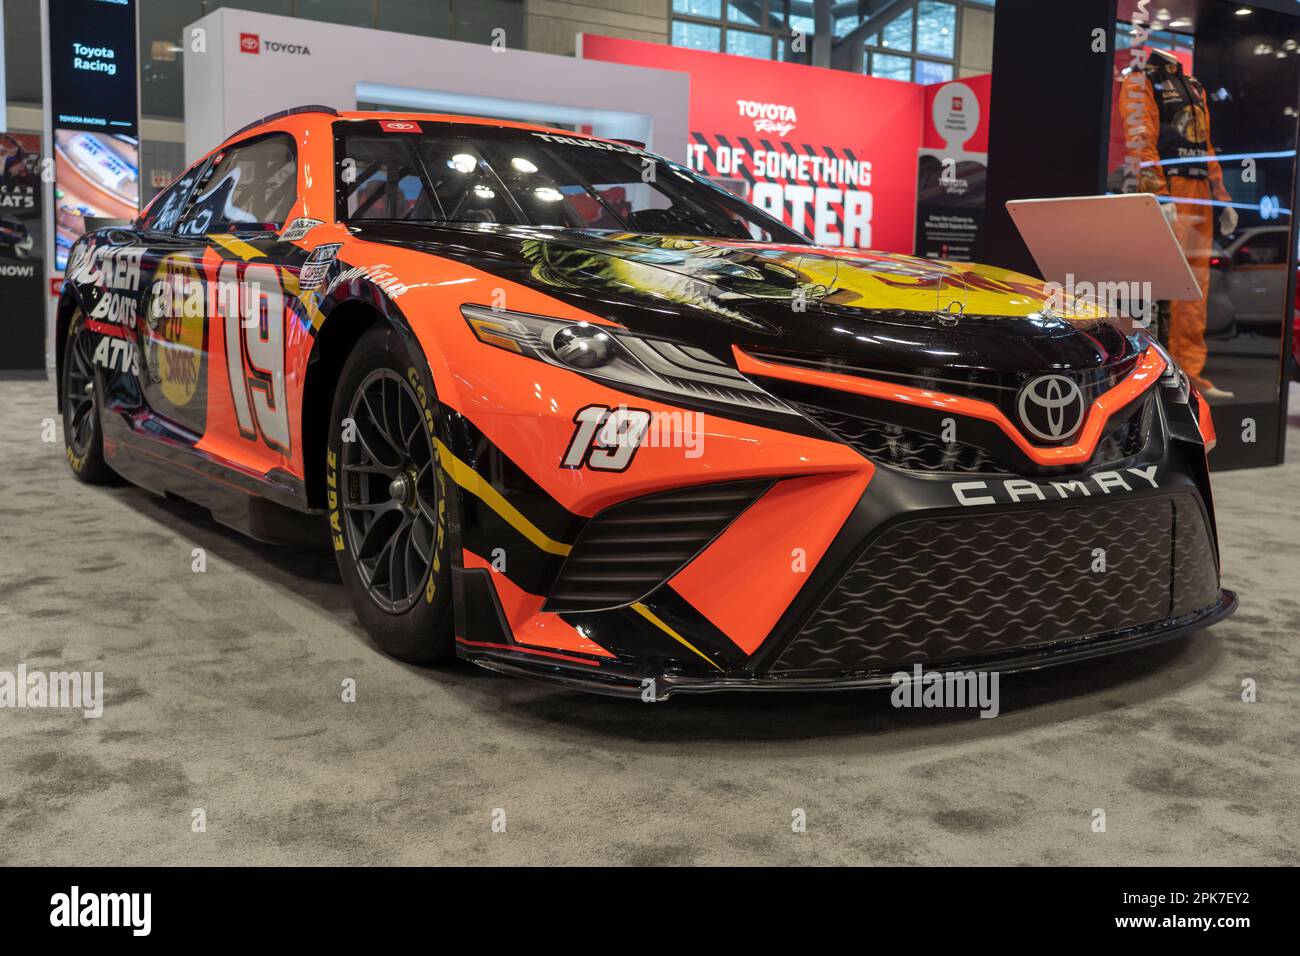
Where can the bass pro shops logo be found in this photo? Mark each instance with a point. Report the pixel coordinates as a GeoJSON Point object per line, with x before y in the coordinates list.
{"type": "Point", "coordinates": [252, 43]}
{"type": "Point", "coordinates": [768, 117]}
{"type": "Point", "coordinates": [1051, 407]}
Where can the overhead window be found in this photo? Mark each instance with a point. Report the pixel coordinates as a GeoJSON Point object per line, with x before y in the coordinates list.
{"type": "Point", "coordinates": [696, 36]}
{"type": "Point", "coordinates": [936, 28]}
{"type": "Point", "coordinates": [744, 43]}
{"type": "Point", "coordinates": [897, 33]}
{"type": "Point", "coordinates": [891, 67]}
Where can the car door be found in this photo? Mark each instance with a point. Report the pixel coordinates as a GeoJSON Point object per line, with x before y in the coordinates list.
{"type": "Point", "coordinates": [239, 208]}
{"type": "Point", "coordinates": [172, 348]}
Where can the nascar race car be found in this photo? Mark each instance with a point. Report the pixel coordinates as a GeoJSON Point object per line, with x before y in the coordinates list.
{"type": "Point", "coordinates": [565, 409]}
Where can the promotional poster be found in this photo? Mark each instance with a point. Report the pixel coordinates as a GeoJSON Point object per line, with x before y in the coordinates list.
{"type": "Point", "coordinates": [951, 169]}
{"type": "Point", "coordinates": [21, 252]}
{"type": "Point", "coordinates": [832, 154]}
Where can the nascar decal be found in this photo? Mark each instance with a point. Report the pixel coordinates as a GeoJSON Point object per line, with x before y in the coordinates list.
{"type": "Point", "coordinates": [299, 228]}
{"type": "Point", "coordinates": [377, 274]}
{"type": "Point", "coordinates": [316, 268]}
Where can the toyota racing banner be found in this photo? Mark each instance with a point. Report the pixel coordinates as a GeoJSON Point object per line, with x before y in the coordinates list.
{"type": "Point", "coordinates": [832, 154]}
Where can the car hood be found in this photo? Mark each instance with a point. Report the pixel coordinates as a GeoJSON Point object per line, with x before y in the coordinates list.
{"type": "Point", "coordinates": [803, 300]}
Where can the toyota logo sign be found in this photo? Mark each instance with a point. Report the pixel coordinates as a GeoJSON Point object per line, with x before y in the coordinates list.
{"type": "Point", "coordinates": [1051, 407]}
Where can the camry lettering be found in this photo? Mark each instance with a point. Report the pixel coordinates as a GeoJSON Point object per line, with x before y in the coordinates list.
{"type": "Point", "coordinates": [972, 494]}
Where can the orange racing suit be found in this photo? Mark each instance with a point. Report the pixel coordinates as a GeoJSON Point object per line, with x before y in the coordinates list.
{"type": "Point", "coordinates": [1167, 122]}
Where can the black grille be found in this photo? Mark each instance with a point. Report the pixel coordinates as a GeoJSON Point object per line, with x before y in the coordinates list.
{"type": "Point", "coordinates": [913, 450]}
{"type": "Point", "coordinates": [903, 447]}
{"type": "Point", "coordinates": [946, 589]}
{"type": "Point", "coordinates": [628, 550]}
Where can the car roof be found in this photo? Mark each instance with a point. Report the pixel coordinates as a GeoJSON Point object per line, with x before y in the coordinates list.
{"type": "Point", "coordinates": [303, 115]}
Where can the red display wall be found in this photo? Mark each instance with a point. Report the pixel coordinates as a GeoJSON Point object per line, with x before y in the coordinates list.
{"type": "Point", "coordinates": [833, 153]}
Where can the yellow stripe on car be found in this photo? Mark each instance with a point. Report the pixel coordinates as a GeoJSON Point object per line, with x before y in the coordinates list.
{"type": "Point", "coordinates": [654, 619]}
{"type": "Point", "coordinates": [477, 485]}
{"type": "Point", "coordinates": [237, 246]}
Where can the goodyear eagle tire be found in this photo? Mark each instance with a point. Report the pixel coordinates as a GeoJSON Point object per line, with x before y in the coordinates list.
{"type": "Point", "coordinates": [387, 499]}
{"type": "Point", "coordinates": [83, 438]}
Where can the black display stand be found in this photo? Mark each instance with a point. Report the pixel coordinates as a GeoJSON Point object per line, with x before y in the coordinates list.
{"type": "Point", "coordinates": [1050, 135]}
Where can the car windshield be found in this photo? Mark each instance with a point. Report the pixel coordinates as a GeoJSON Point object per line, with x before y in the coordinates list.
{"type": "Point", "coordinates": [465, 173]}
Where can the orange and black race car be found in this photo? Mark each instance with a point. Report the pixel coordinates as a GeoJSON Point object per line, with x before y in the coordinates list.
{"type": "Point", "coordinates": [565, 409]}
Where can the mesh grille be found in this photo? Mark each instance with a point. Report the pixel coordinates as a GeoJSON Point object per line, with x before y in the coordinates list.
{"type": "Point", "coordinates": [913, 450]}
{"type": "Point", "coordinates": [946, 589]}
{"type": "Point", "coordinates": [902, 447]}
{"type": "Point", "coordinates": [1129, 438]}
{"type": "Point", "coordinates": [628, 550]}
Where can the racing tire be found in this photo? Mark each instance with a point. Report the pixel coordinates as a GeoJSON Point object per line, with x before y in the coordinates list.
{"type": "Point", "coordinates": [386, 492]}
{"type": "Point", "coordinates": [83, 437]}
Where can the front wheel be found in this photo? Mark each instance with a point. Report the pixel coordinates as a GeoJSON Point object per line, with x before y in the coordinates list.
{"type": "Point", "coordinates": [387, 498]}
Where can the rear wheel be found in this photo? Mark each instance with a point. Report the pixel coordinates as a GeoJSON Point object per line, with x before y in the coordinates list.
{"type": "Point", "coordinates": [83, 439]}
{"type": "Point", "coordinates": [387, 500]}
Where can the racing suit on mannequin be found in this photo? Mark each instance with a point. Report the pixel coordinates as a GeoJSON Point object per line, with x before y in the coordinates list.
{"type": "Point", "coordinates": [1167, 122]}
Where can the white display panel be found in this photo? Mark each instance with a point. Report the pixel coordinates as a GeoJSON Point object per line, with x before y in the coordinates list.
{"type": "Point", "coordinates": [254, 64]}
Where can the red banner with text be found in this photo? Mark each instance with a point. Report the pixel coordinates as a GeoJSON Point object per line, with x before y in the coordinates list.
{"type": "Point", "coordinates": [831, 153]}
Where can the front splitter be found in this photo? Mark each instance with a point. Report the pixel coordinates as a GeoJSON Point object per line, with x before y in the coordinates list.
{"type": "Point", "coordinates": [1037, 658]}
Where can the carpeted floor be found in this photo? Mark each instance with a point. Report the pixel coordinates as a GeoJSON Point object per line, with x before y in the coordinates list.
{"type": "Point", "coordinates": [223, 693]}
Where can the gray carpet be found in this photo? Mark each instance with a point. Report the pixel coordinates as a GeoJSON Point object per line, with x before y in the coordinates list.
{"type": "Point", "coordinates": [223, 693]}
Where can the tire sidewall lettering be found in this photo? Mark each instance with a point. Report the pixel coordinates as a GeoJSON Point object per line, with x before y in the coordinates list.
{"type": "Point", "coordinates": [413, 376]}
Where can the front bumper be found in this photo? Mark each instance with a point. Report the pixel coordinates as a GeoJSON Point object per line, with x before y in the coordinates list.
{"type": "Point", "coordinates": [950, 565]}
{"type": "Point", "coordinates": [914, 576]}
{"type": "Point", "coordinates": [1050, 655]}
